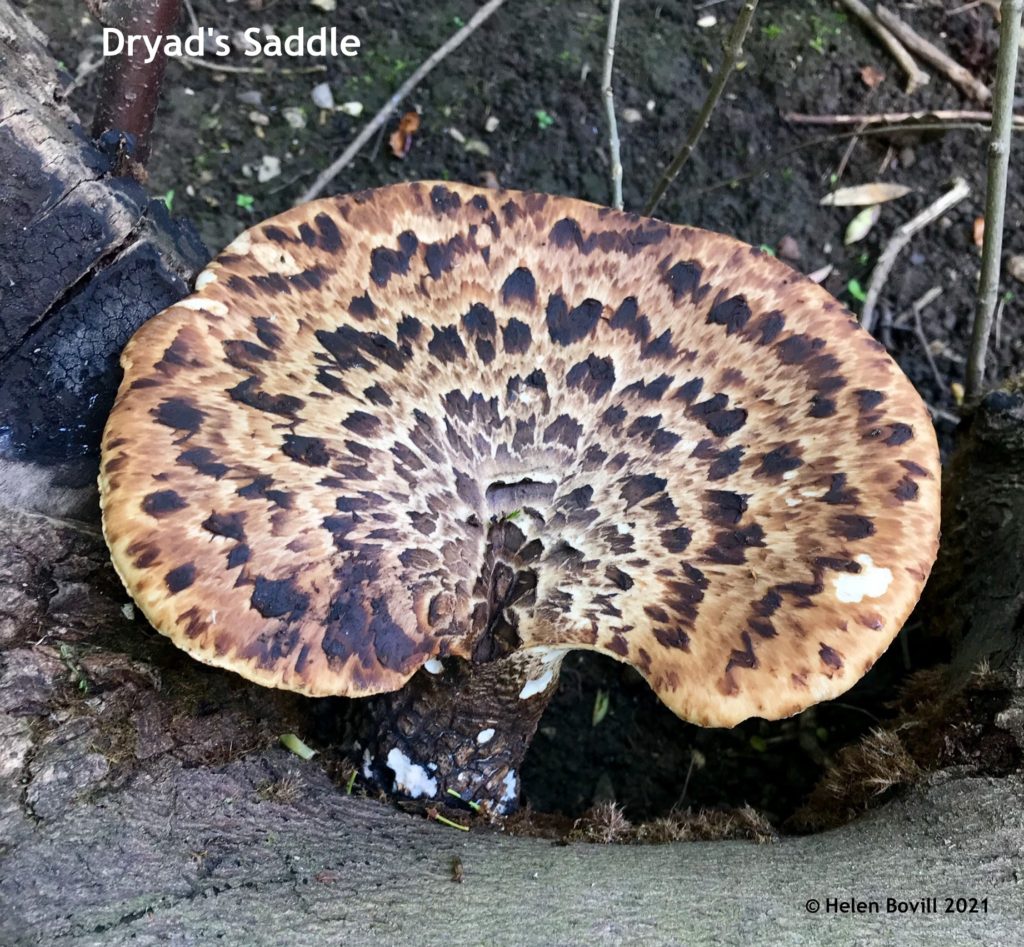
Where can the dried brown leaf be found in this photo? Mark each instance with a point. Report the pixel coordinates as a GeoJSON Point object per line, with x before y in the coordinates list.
{"type": "Point", "coordinates": [401, 138]}
{"type": "Point", "coordinates": [871, 76]}
{"type": "Point", "coordinates": [978, 231]}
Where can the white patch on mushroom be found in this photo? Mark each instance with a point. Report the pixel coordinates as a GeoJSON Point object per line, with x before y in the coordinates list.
{"type": "Point", "coordinates": [213, 306]}
{"type": "Point", "coordinates": [275, 259]}
{"type": "Point", "coordinates": [821, 689]}
{"type": "Point", "coordinates": [549, 655]}
{"type": "Point", "coordinates": [536, 686]}
{"type": "Point", "coordinates": [239, 245]}
{"type": "Point", "coordinates": [811, 494]}
{"type": "Point", "coordinates": [792, 501]}
{"type": "Point", "coordinates": [622, 529]}
{"type": "Point", "coordinates": [789, 475]}
{"type": "Point", "coordinates": [213, 617]}
{"type": "Point", "coordinates": [433, 666]}
{"type": "Point", "coordinates": [410, 777]}
{"type": "Point", "coordinates": [871, 582]}
{"type": "Point", "coordinates": [205, 278]}
{"type": "Point", "coordinates": [485, 736]}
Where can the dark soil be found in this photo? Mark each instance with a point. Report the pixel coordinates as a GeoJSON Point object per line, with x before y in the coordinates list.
{"type": "Point", "coordinates": [535, 67]}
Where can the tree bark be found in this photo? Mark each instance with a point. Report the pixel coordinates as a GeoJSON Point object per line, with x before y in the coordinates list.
{"type": "Point", "coordinates": [130, 85]}
{"type": "Point", "coordinates": [85, 258]}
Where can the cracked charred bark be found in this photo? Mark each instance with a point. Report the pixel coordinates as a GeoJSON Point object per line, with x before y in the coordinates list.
{"type": "Point", "coordinates": [143, 798]}
{"type": "Point", "coordinates": [85, 258]}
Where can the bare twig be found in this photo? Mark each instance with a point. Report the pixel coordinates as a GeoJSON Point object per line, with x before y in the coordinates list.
{"type": "Point", "coordinates": [995, 195]}
{"type": "Point", "coordinates": [926, 300]}
{"type": "Point", "coordinates": [191, 15]}
{"type": "Point", "coordinates": [897, 118]}
{"type": "Point", "coordinates": [246, 70]}
{"type": "Point", "coordinates": [916, 76]}
{"type": "Point", "coordinates": [733, 48]}
{"type": "Point", "coordinates": [999, 323]}
{"type": "Point", "coordinates": [900, 239]}
{"type": "Point", "coordinates": [452, 43]}
{"type": "Point", "coordinates": [823, 140]}
{"type": "Point", "coordinates": [941, 414]}
{"type": "Point", "coordinates": [934, 56]}
{"type": "Point", "coordinates": [609, 105]}
{"type": "Point", "coordinates": [130, 84]}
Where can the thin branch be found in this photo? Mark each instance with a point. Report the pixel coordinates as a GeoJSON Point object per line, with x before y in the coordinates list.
{"type": "Point", "coordinates": [898, 118]}
{"type": "Point", "coordinates": [213, 66]}
{"type": "Point", "coordinates": [926, 300]}
{"type": "Point", "coordinates": [916, 76]}
{"type": "Point", "coordinates": [452, 43]}
{"type": "Point", "coordinates": [609, 105]}
{"type": "Point", "coordinates": [934, 56]}
{"type": "Point", "coordinates": [900, 239]}
{"type": "Point", "coordinates": [995, 195]}
{"type": "Point", "coordinates": [823, 140]}
{"type": "Point", "coordinates": [733, 49]}
{"type": "Point", "coordinates": [130, 84]}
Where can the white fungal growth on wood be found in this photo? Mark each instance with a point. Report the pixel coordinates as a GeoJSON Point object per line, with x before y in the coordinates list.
{"type": "Point", "coordinates": [410, 777]}
{"type": "Point", "coordinates": [485, 736]}
{"type": "Point", "coordinates": [871, 582]}
{"type": "Point", "coordinates": [510, 788]}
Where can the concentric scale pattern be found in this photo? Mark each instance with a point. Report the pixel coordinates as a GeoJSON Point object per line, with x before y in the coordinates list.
{"type": "Point", "coordinates": [725, 481]}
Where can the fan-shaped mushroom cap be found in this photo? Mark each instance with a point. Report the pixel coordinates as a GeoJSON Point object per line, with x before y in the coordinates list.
{"type": "Point", "coordinates": [725, 482]}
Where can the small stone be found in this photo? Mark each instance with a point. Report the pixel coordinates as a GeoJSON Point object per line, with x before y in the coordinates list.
{"type": "Point", "coordinates": [707, 21]}
{"type": "Point", "coordinates": [476, 146]}
{"type": "Point", "coordinates": [258, 118]}
{"type": "Point", "coordinates": [650, 105]}
{"type": "Point", "coordinates": [1015, 267]}
{"type": "Point", "coordinates": [355, 109]}
{"type": "Point", "coordinates": [457, 135]}
{"type": "Point", "coordinates": [491, 124]}
{"type": "Point", "coordinates": [270, 168]}
{"type": "Point", "coordinates": [788, 248]}
{"type": "Point", "coordinates": [251, 97]}
{"type": "Point", "coordinates": [328, 6]}
{"type": "Point", "coordinates": [632, 116]}
{"type": "Point", "coordinates": [322, 96]}
{"type": "Point", "coordinates": [295, 117]}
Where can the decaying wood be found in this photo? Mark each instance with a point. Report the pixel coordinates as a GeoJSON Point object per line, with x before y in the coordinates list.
{"type": "Point", "coordinates": [85, 258]}
{"type": "Point", "coordinates": [977, 590]}
{"type": "Point", "coordinates": [144, 798]}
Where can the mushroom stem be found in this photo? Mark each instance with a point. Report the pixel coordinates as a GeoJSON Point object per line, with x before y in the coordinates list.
{"type": "Point", "coordinates": [465, 728]}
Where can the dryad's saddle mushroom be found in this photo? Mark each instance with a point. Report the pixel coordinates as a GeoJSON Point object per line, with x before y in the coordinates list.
{"type": "Point", "coordinates": [420, 442]}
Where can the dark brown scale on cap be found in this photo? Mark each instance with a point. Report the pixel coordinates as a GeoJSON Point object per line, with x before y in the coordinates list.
{"type": "Point", "coordinates": [365, 442]}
